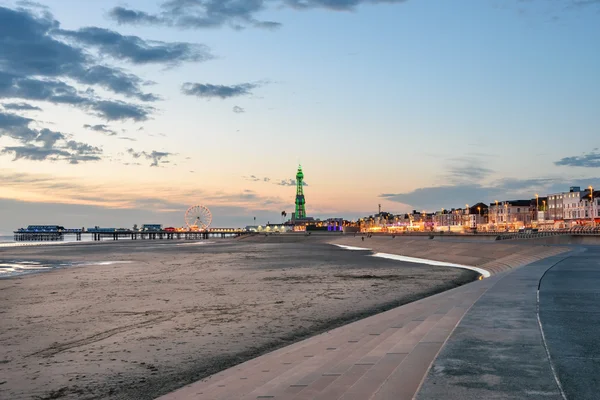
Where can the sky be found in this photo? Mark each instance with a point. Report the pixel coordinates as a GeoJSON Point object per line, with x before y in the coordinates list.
{"type": "Point", "coordinates": [117, 113]}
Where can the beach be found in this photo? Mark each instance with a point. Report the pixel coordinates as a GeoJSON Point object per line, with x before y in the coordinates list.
{"type": "Point", "coordinates": [136, 319]}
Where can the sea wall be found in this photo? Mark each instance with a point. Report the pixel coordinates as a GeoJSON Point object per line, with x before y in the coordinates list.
{"type": "Point", "coordinates": [581, 240]}
{"type": "Point", "coordinates": [492, 256]}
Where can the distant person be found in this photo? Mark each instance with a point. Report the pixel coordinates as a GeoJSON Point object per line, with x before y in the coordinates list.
{"type": "Point", "coordinates": [363, 238]}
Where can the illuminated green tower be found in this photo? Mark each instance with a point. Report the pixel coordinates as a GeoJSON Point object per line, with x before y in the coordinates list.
{"type": "Point", "coordinates": [300, 201]}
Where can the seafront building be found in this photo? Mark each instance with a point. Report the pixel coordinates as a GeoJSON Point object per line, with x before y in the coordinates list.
{"type": "Point", "coordinates": [564, 210]}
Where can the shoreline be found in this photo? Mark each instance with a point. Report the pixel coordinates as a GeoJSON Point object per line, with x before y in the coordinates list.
{"type": "Point", "coordinates": [177, 314]}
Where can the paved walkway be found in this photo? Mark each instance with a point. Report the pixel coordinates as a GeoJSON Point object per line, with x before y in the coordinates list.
{"type": "Point", "coordinates": [498, 351]}
{"type": "Point", "coordinates": [533, 335]}
{"type": "Point", "coordinates": [387, 356]}
{"type": "Point", "coordinates": [569, 310]}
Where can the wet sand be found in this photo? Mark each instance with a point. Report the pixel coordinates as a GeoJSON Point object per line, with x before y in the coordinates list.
{"type": "Point", "coordinates": [179, 312]}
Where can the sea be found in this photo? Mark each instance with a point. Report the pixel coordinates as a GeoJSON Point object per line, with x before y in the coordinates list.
{"type": "Point", "coordinates": [13, 267]}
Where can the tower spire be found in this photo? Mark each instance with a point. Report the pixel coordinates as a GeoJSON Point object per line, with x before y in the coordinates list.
{"type": "Point", "coordinates": [300, 201]}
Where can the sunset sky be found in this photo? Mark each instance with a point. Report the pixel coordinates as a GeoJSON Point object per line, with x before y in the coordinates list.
{"type": "Point", "coordinates": [114, 113]}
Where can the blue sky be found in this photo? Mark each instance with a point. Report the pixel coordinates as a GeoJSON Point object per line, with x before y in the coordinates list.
{"type": "Point", "coordinates": [414, 104]}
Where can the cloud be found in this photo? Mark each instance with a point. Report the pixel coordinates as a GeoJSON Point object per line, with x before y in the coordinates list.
{"type": "Point", "coordinates": [43, 144]}
{"type": "Point", "coordinates": [32, 4]}
{"type": "Point", "coordinates": [58, 92]}
{"type": "Point", "coordinates": [126, 16]}
{"type": "Point", "coordinates": [238, 110]}
{"type": "Point", "coordinates": [254, 178]}
{"type": "Point", "coordinates": [34, 65]}
{"type": "Point", "coordinates": [16, 127]}
{"type": "Point", "coordinates": [467, 169]}
{"type": "Point", "coordinates": [35, 153]}
{"type": "Point", "coordinates": [28, 48]}
{"type": "Point", "coordinates": [73, 152]}
{"type": "Point", "coordinates": [336, 5]}
{"type": "Point", "coordinates": [157, 157]}
{"type": "Point", "coordinates": [49, 138]}
{"type": "Point", "coordinates": [588, 160]}
{"type": "Point", "coordinates": [20, 107]}
{"type": "Point", "coordinates": [221, 91]}
{"type": "Point", "coordinates": [288, 182]}
{"type": "Point", "coordinates": [115, 80]}
{"type": "Point", "coordinates": [113, 110]}
{"type": "Point", "coordinates": [136, 50]}
{"type": "Point", "coordinates": [198, 14]}
{"type": "Point", "coordinates": [101, 128]}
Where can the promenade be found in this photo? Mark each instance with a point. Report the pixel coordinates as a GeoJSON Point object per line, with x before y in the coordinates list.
{"type": "Point", "coordinates": [482, 340]}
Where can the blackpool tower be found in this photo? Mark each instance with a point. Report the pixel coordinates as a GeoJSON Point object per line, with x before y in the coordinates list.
{"type": "Point", "coordinates": [300, 202]}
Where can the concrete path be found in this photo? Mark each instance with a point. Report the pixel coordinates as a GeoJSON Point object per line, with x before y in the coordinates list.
{"type": "Point", "coordinates": [496, 351]}
{"type": "Point", "coordinates": [518, 343]}
{"type": "Point", "coordinates": [570, 318]}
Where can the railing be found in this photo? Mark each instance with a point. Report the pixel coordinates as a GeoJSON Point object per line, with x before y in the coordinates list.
{"type": "Point", "coordinates": [587, 231]}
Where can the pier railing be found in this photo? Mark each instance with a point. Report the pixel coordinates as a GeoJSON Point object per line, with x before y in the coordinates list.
{"type": "Point", "coordinates": [99, 235]}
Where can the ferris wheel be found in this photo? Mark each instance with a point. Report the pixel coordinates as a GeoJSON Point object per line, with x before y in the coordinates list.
{"type": "Point", "coordinates": [198, 218]}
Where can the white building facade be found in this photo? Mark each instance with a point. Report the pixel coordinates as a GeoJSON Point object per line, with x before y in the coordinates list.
{"type": "Point", "coordinates": [574, 207]}
{"type": "Point", "coordinates": [511, 214]}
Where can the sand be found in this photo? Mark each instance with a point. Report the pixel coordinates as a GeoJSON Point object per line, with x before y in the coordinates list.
{"type": "Point", "coordinates": [177, 312]}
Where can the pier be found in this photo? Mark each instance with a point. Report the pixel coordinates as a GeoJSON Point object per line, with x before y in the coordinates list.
{"type": "Point", "coordinates": [33, 235]}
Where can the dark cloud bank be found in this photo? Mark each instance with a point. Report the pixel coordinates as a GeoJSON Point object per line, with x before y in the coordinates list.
{"type": "Point", "coordinates": [588, 160]}
{"type": "Point", "coordinates": [436, 197]}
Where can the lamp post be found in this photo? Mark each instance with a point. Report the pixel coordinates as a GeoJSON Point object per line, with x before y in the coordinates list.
{"type": "Point", "coordinates": [496, 213]}
{"type": "Point", "coordinates": [443, 218]}
{"type": "Point", "coordinates": [592, 204]}
{"type": "Point", "coordinates": [537, 208]}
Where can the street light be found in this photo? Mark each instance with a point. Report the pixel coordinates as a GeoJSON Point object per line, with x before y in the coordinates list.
{"type": "Point", "coordinates": [496, 213]}
{"type": "Point", "coordinates": [537, 209]}
{"type": "Point", "coordinates": [592, 204]}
